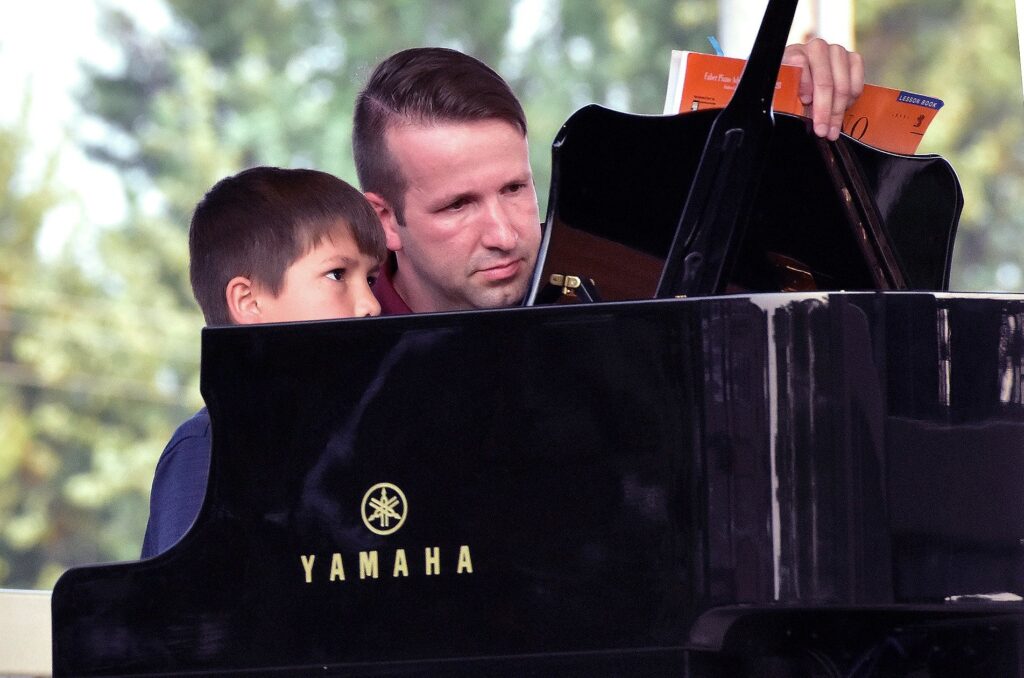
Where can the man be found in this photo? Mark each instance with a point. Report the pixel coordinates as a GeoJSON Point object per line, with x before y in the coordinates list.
{"type": "Point", "coordinates": [441, 153]}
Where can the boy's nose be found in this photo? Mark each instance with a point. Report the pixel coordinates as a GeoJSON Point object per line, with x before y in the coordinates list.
{"type": "Point", "coordinates": [366, 304]}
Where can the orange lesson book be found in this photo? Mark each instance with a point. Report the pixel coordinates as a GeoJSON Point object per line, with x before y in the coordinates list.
{"type": "Point", "coordinates": [888, 119]}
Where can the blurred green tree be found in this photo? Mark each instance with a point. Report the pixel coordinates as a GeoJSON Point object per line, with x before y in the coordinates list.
{"type": "Point", "coordinates": [274, 82]}
{"type": "Point", "coordinates": [964, 52]}
{"type": "Point", "coordinates": [112, 348]}
{"type": "Point", "coordinates": [26, 466]}
{"type": "Point", "coordinates": [99, 346]}
{"type": "Point", "coordinates": [84, 396]}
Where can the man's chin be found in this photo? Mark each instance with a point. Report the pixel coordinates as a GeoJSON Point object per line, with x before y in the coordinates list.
{"type": "Point", "coordinates": [500, 297]}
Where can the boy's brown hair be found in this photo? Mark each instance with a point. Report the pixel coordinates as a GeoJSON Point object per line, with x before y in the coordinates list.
{"type": "Point", "coordinates": [259, 221]}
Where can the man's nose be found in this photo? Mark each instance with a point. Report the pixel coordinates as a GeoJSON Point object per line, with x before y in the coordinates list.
{"type": "Point", "coordinates": [499, 229]}
{"type": "Point", "coordinates": [366, 303]}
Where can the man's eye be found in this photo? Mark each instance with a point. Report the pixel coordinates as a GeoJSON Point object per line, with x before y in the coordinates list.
{"type": "Point", "coordinates": [515, 188]}
{"type": "Point", "coordinates": [336, 274]}
{"type": "Point", "coordinates": [457, 205]}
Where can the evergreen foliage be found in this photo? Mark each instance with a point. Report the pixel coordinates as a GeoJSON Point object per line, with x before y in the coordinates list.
{"type": "Point", "coordinates": [99, 346]}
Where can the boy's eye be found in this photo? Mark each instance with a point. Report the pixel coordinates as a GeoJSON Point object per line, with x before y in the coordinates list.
{"type": "Point", "coordinates": [336, 274]}
{"type": "Point", "coordinates": [371, 280]}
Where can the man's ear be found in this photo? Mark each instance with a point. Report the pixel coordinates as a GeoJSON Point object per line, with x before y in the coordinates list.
{"type": "Point", "coordinates": [243, 304]}
{"type": "Point", "coordinates": [392, 233]}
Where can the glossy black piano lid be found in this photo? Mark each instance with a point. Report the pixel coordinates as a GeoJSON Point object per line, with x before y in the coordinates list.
{"type": "Point", "coordinates": [616, 472]}
{"type": "Point", "coordinates": [619, 183]}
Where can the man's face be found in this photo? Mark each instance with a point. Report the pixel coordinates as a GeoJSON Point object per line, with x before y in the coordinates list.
{"type": "Point", "coordinates": [472, 228]}
{"type": "Point", "coordinates": [332, 280]}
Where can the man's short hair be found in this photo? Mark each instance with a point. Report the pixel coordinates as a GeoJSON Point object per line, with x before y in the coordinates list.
{"type": "Point", "coordinates": [259, 221]}
{"type": "Point", "coordinates": [424, 85]}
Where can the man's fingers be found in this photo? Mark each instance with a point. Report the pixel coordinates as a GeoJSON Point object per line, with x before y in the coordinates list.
{"type": "Point", "coordinates": [839, 61]}
{"type": "Point", "coordinates": [831, 79]}
{"type": "Point", "coordinates": [796, 55]}
{"type": "Point", "coordinates": [819, 66]}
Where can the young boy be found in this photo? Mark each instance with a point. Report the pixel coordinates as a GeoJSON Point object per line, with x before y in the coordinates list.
{"type": "Point", "coordinates": [266, 245]}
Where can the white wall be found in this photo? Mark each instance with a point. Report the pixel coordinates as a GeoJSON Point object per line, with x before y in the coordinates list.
{"type": "Point", "coordinates": [25, 646]}
{"type": "Point", "coordinates": [738, 21]}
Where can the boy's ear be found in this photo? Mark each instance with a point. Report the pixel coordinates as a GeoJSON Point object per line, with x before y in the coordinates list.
{"type": "Point", "coordinates": [382, 207]}
{"type": "Point", "coordinates": [243, 304]}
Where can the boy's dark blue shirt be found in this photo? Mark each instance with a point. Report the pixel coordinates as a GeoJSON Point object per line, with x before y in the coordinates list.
{"type": "Point", "coordinates": [179, 484]}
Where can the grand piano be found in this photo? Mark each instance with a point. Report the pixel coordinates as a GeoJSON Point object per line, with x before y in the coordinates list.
{"type": "Point", "coordinates": [809, 462]}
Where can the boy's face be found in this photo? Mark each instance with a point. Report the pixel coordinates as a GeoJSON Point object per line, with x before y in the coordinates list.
{"type": "Point", "coordinates": [332, 280]}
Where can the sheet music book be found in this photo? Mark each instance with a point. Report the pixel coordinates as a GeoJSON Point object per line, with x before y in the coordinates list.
{"type": "Point", "coordinates": [888, 119]}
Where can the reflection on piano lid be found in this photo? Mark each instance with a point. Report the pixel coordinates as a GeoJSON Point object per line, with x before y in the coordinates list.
{"type": "Point", "coordinates": [669, 487]}
{"type": "Point", "coordinates": [777, 484]}
{"type": "Point", "coordinates": [847, 216]}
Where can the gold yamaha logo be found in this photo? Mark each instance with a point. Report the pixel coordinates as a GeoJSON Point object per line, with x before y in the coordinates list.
{"type": "Point", "coordinates": [384, 508]}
